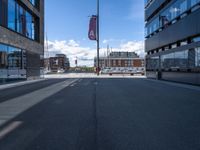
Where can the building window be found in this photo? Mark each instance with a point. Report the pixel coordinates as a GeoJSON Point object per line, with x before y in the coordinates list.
{"type": "Point", "coordinates": [167, 61]}
{"type": "Point", "coordinates": [196, 39]}
{"type": "Point", "coordinates": [35, 3]}
{"type": "Point", "coordinates": [197, 59]}
{"type": "Point", "coordinates": [21, 20]}
{"type": "Point", "coordinates": [12, 58]}
{"type": "Point", "coordinates": [175, 61]}
{"type": "Point", "coordinates": [181, 59]}
{"type": "Point", "coordinates": [11, 14]}
{"type": "Point", "coordinates": [3, 57]}
{"type": "Point", "coordinates": [152, 63]}
{"type": "Point", "coordinates": [170, 15]}
{"type": "Point", "coordinates": [194, 2]}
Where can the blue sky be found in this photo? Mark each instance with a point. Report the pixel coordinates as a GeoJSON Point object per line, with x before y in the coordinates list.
{"type": "Point", "coordinates": [121, 26]}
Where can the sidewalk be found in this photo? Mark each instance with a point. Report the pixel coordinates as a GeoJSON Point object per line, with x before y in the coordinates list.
{"type": "Point", "coordinates": [15, 84]}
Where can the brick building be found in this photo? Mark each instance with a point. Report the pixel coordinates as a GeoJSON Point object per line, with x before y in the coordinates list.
{"type": "Point", "coordinates": [121, 61]}
{"type": "Point", "coordinates": [58, 63]}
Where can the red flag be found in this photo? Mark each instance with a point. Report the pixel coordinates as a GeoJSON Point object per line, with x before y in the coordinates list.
{"type": "Point", "coordinates": [92, 28]}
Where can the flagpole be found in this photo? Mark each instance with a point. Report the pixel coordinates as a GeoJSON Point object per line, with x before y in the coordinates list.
{"type": "Point", "coordinates": [98, 68]}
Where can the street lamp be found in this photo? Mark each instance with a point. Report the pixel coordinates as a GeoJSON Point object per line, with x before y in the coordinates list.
{"type": "Point", "coordinates": [98, 68]}
{"type": "Point", "coordinates": [93, 33]}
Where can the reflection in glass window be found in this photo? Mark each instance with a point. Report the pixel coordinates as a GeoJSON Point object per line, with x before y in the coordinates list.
{"type": "Point", "coordinates": [14, 58]}
{"type": "Point", "coordinates": [183, 6]}
{"type": "Point", "coordinates": [32, 2]}
{"type": "Point", "coordinates": [167, 61]}
{"type": "Point", "coordinates": [11, 14]}
{"type": "Point", "coordinates": [3, 57]}
{"type": "Point", "coordinates": [29, 26]}
{"type": "Point", "coordinates": [197, 62]}
{"type": "Point", "coordinates": [20, 20]}
{"type": "Point", "coordinates": [181, 59]}
{"type": "Point", "coordinates": [153, 26]}
{"type": "Point", "coordinates": [153, 63]}
{"type": "Point", "coordinates": [196, 39]}
{"type": "Point", "coordinates": [176, 60]}
{"type": "Point", "coordinates": [194, 2]}
{"type": "Point", "coordinates": [35, 3]}
{"type": "Point", "coordinates": [176, 9]}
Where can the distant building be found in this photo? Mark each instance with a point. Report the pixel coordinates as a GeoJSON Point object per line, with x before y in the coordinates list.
{"type": "Point", "coordinates": [58, 63]}
{"type": "Point", "coordinates": [173, 40]}
{"type": "Point", "coordinates": [121, 60]}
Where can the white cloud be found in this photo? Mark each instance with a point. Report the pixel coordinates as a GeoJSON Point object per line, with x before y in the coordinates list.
{"type": "Point", "coordinates": [105, 41]}
{"type": "Point", "coordinates": [72, 49]}
{"type": "Point", "coordinates": [136, 46]}
{"type": "Point", "coordinates": [85, 55]}
{"type": "Point", "coordinates": [130, 46]}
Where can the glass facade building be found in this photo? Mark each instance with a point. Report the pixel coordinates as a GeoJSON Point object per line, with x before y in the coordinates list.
{"type": "Point", "coordinates": [21, 38]}
{"type": "Point", "coordinates": [172, 43]}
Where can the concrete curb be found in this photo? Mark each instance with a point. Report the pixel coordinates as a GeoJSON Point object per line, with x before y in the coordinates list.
{"type": "Point", "coordinates": [16, 84]}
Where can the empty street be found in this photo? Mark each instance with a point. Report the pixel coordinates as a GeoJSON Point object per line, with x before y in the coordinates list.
{"type": "Point", "coordinates": [100, 114]}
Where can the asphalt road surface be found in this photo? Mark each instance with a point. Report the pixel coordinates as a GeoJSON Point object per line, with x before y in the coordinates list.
{"type": "Point", "coordinates": [100, 114]}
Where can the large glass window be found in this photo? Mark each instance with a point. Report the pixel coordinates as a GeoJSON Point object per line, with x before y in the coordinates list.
{"type": "Point", "coordinates": [197, 60]}
{"type": "Point", "coordinates": [35, 3]}
{"type": "Point", "coordinates": [167, 61]}
{"type": "Point", "coordinates": [168, 15]}
{"type": "Point", "coordinates": [29, 26]}
{"type": "Point", "coordinates": [11, 14]}
{"type": "Point", "coordinates": [153, 26]}
{"type": "Point", "coordinates": [21, 20]}
{"type": "Point", "coordinates": [176, 60]}
{"type": "Point", "coordinates": [32, 2]}
{"type": "Point", "coordinates": [194, 2]}
{"type": "Point", "coordinates": [3, 57]}
{"type": "Point", "coordinates": [181, 59]}
{"type": "Point", "coordinates": [12, 58]}
{"type": "Point", "coordinates": [153, 63]}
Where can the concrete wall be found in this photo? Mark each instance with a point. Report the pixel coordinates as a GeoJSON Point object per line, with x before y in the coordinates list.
{"type": "Point", "coordinates": [183, 77]}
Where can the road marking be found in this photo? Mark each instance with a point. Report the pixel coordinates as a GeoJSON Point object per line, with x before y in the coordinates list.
{"type": "Point", "coordinates": [80, 80]}
{"type": "Point", "coordinates": [8, 129]}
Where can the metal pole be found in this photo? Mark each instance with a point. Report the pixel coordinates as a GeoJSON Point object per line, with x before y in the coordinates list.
{"type": "Point", "coordinates": [98, 38]}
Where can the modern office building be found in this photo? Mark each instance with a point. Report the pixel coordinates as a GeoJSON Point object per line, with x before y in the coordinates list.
{"type": "Point", "coordinates": [173, 40]}
{"type": "Point", "coordinates": [121, 61]}
{"type": "Point", "coordinates": [21, 38]}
